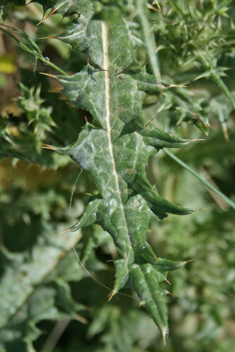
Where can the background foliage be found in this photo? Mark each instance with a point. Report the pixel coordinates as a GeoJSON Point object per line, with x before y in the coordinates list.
{"type": "Point", "coordinates": [48, 301]}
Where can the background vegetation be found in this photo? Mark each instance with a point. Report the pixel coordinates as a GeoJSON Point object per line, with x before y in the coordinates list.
{"type": "Point", "coordinates": [48, 300]}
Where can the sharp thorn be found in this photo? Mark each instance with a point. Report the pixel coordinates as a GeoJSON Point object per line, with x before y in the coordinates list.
{"type": "Point", "coordinates": [47, 146]}
{"type": "Point", "coordinates": [110, 296]}
{"type": "Point", "coordinates": [47, 74]}
{"type": "Point", "coordinates": [65, 231]}
{"type": "Point", "coordinates": [197, 140]}
{"type": "Point", "coordinates": [164, 333]}
{"type": "Point", "coordinates": [81, 319]}
{"type": "Point", "coordinates": [52, 37]}
{"type": "Point", "coordinates": [188, 261]}
{"type": "Point", "coordinates": [50, 14]}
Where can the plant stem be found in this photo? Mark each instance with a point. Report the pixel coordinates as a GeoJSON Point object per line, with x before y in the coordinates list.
{"type": "Point", "coordinates": [194, 173]}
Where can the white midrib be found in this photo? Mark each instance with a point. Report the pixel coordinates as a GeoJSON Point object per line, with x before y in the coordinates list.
{"type": "Point", "coordinates": [106, 68]}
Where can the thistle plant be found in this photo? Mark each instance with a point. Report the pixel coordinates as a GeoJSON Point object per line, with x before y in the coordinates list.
{"type": "Point", "coordinates": [115, 146]}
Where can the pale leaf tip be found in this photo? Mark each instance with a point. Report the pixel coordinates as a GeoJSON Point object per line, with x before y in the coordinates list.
{"type": "Point", "coordinates": [110, 296]}
{"type": "Point", "coordinates": [50, 14]}
{"type": "Point", "coordinates": [197, 140]}
{"type": "Point", "coordinates": [38, 24]}
{"type": "Point", "coordinates": [165, 332]}
{"type": "Point", "coordinates": [157, 4]}
{"type": "Point", "coordinates": [176, 86]}
{"type": "Point", "coordinates": [188, 261]}
{"type": "Point", "coordinates": [190, 211]}
{"type": "Point", "coordinates": [51, 37]}
{"type": "Point", "coordinates": [63, 232]}
{"type": "Point", "coordinates": [47, 74]}
{"type": "Point", "coordinates": [81, 319]}
{"type": "Point", "coordinates": [47, 146]}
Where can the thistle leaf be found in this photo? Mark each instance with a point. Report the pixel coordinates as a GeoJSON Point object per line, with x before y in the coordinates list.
{"type": "Point", "coordinates": [114, 150]}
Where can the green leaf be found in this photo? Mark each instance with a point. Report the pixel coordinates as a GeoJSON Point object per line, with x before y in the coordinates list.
{"type": "Point", "coordinates": [13, 297]}
{"type": "Point", "coordinates": [114, 150]}
{"type": "Point", "coordinates": [4, 153]}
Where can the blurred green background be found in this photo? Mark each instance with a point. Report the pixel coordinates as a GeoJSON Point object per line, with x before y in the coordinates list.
{"type": "Point", "coordinates": [51, 300]}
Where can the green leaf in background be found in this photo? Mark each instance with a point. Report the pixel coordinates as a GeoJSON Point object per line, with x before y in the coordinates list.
{"type": "Point", "coordinates": [207, 184]}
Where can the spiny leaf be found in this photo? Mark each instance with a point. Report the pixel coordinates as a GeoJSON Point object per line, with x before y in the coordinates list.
{"type": "Point", "coordinates": [114, 150]}
{"type": "Point", "coordinates": [12, 300]}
